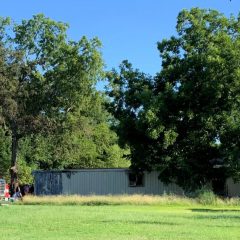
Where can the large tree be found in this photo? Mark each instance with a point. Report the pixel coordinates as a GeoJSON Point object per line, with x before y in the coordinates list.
{"type": "Point", "coordinates": [130, 93]}
{"type": "Point", "coordinates": [188, 127]}
{"type": "Point", "coordinates": [44, 78]}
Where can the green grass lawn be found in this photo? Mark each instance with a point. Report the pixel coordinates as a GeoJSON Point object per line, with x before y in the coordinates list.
{"type": "Point", "coordinates": [23, 222]}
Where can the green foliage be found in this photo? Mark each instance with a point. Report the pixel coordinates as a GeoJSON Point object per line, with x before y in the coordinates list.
{"type": "Point", "coordinates": [198, 86]}
{"type": "Point", "coordinates": [44, 76]}
{"type": "Point", "coordinates": [86, 142]}
{"type": "Point", "coordinates": [206, 196]}
{"type": "Point", "coordinates": [48, 102]}
{"type": "Point", "coordinates": [4, 155]}
{"type": "Point", "coordinates": [188, 125]}
{"type": "Point", "coordinates": [25, 172]}
{"type": "Point", "coordinates": [25, 163]}
{"type": "Point", "coordinates": [130, 92]}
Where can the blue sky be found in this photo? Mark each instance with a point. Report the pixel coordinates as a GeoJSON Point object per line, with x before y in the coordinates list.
{"type": "Point", "coordinates": [128, 29]}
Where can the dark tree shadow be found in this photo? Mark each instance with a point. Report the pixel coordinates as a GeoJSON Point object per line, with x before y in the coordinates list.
{"type": "Point", "coordinates": [213, 210]}
{"type": "Point", "coordinates": [141, 222]}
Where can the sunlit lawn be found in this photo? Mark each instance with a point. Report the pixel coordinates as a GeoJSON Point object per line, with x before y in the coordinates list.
{"type": "Point", "coordinates": [19, 222]}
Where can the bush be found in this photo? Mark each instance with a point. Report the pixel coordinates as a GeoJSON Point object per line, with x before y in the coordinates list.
{"type": "Point", "coordinates": [206, 196]}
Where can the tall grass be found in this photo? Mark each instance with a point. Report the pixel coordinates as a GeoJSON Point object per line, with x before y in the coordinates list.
{"type": "Point", "coordinates": [129, 200]}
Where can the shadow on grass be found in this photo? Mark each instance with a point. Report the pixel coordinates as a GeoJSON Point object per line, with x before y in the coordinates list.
{"type": "Point", "coordinates": [214, 210]}
{"type": "Point", "coordinates": [142, 222]}
{"type": "Point", "coordinates": [219, 213]}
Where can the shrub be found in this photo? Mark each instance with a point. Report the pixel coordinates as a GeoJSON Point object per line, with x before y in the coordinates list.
{"type": "Point", "coordinates": [206, 196]}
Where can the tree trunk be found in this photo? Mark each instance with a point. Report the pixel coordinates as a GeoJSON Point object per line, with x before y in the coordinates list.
{"type": "Point", "coordinates": [13, 170]}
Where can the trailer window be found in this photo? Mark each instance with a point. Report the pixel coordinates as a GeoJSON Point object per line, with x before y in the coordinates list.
{"type": "Point", "coordinates": [135, 180]}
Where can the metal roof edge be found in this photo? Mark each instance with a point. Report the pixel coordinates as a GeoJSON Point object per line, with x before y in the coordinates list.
{"type": "Point", "coordinates": [83, 170]}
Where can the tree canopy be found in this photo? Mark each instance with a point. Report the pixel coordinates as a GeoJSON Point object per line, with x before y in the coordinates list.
{"type": "Point", "coordinates": [47, 91]}
{"type": "Point", "coordinates": [185, 120]}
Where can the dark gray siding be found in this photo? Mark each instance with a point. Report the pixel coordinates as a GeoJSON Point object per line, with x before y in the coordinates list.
{"type": "Point", "coordinates": [233, 189]}
{"type": "Point", "coordinates": [48, 183]}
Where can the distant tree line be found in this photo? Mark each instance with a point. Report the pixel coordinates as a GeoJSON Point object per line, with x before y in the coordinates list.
{"type": "Point", "coordinates": [183, 122]}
